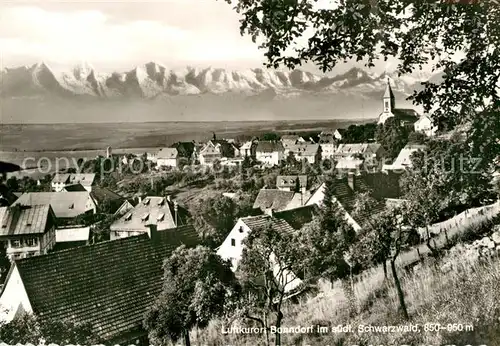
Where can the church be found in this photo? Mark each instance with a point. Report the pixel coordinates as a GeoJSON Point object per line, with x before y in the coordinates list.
{"type": "Point", "coordinates": [408, 117]}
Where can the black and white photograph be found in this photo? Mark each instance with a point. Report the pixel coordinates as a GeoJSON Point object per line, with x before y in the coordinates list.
{"type": "Point", "coordinates": [250, 172]}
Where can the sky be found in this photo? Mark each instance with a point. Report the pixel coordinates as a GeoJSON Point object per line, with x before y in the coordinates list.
{"type": "Point", "coordinates": [120, 35]}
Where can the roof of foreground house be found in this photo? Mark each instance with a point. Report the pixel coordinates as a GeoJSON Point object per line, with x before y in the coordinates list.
{"type": "Point", "coordinates": [109, 284]}
{"type": "Point", "coordinates": [300, 216]}
{"type": "Point", "coordinates": [273, 199]}
{"type": "Point", "coordinates": [20, 220]}
{"type": "Point", "coordinates": [262, 221]}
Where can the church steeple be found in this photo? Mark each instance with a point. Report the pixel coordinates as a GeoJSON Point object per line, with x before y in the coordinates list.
{"type": "Point", "coordinates": [389, 101]}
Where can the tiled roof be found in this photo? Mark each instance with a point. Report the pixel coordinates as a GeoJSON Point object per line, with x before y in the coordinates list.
{"type": "Point", "coordinates": [404, 157]}
{"type": "Point", "coordinates": [152, 210]}
{"type": "Point", "coordinates": [109, 284]}
{"type": "Point", "coordinates": [347, 163]}
{"type": "Point", "coordinates": [269, 146]}
{"type": "Point", "coordinates": [290, 137]}
{"type": "Point", "coordinates": [86, 179]}
{"type": "Point", "coordinates": [64, 204]}
{"type": "Point", "coordinates": [167, 153]}
{"type": "Point", "coordinates": [289, 180]}
{"type": "Point", "coordinates": [103, 193]}
{"type": "Point", "coordinates": [327, 139]}
{"type": "Point", "coordinates": [74, 188]}
{"type": "Point", "coordinates": [298, 217]}
{"type": "Point", "coordinates": [24, 220]}
{"type": "Point", "coordinates": [273, 199]}
{"type": "Point", "coordinates": [358, 148]}
{"type": "Point", "coordinates": [262, 221]}
{"type": "Point", "coordinates": [304, 149]}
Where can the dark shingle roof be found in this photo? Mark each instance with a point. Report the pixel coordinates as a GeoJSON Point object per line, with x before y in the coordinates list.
{"type": "Point", "coordinates": [103, 193]}
{"type": "Point", "coordinates": [74, 188]}
{"type": "Point", "coordinates": [64, 204]}
{"type": "Point", "coordinates": [273, 199]}
{"type": "Point", "coordinates": [110, 284]}
{"type": "Point", "coordinates": [20, 220]}
{"type": "Point", "coordinates": [269, 146]}
{"type": "Point", "coordinates": [7, 197]}
{"type": "Point", "coordinates": [262, 221]}
{"type": "Point", "coordinates": [298, 217]}
{"type": "Point", "coordinates": [407, 115]}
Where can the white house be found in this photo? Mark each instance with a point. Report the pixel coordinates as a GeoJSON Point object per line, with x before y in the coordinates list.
{"type": "Point", "coordinates": [60, 181]}
{"type": "Point", "coordinates": [425, 125]}
{"type": "Point", "coordinates": [403, 161]}
{"type": "Point", "coordinates": [167, 157]}
{"type": "Point", "coordinates": [305, 151]}
{"type": "Point", "coordinates": [210, 153]}
{"type": "Point", "coordinates": [27, 230]}
{"type": "Point", "coordinates": [232, 247]}
{"type": "Point", "coordinates": [270, 152]}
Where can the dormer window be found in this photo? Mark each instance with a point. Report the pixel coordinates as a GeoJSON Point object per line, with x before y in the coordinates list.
{"type": "Point", "coordinates": [128, 217]}
{"type": "Point", "coordinates": [145, 217]}
{"type": "Point", "coordinates": [72, 206]}
{"type": "Point", "coordinates": [161, 201]}
{"type": "Point", "coordinates": [160, 217]}
{"type": "Point", "coordinates": [146, 201]}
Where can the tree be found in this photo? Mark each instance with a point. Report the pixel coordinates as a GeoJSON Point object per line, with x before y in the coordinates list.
{"type": "Point", "coordinates": [196, 288]}
{"type": "Point", "coordinates": [416, 34]}
{"type": "Point", "coordinates": [4, 262]}
{"type": "Point", "coordinates": [392, 136]}
{"type": "Point", "coordinates": [383, 240]}
{"type": "Point", "coordinates": [28, 328]}
{"type": "Point", "coordinates": [270, 136]}
{"type": "Point", "coordinates": [12, 184]}
{"type": "Point", "coordinates": [265, 273]}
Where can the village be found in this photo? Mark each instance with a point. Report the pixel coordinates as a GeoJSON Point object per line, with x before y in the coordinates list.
{"type": "Point", "coordinates": [88, 244]}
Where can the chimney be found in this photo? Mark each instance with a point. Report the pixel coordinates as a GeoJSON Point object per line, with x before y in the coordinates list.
{"type": "Point", "coordinates": [140, 199]}
{"type": "Point", "coordinates": [153, 231]}
{"type": "Point", "coordinates": [169, 198]}
{"type": "Point", "coordinates": [351, 180]}
{"type": "Point", "coordinates": [176, 208]}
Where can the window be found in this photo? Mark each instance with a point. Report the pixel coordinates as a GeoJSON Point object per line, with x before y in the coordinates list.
{"type": "Point", "coordinates": [160, 217]}
{"type": "Point", "coordinates": [145, 217]}
{"type": "Point", "coordinates": [15, 243]}
{"type": "Point", "coordinates": [233, 242]}
{"type": "Point", "coordinates": [128, 217]}
{"type": "Point", "coordinates": [241, 229]}
{"type": "Point", "coordinates": [387, 105]}
{"type": "Point", "coordinates": [146, 201]}
{"type": "Point", "coordinates": [31, 242]}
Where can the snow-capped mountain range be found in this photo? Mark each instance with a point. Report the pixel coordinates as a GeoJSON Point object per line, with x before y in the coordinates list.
{"type": "Point", "coordinates": [153, 80]}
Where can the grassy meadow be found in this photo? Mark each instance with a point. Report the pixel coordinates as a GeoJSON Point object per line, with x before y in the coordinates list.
{"type": "Point", "coordinates": [468, 297]}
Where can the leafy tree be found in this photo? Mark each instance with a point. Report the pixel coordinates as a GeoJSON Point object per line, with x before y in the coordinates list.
{"type": "Point", "coordinates": [265, 273]}
{"type": "Point", "coordinates": [392, 136]}
{"type": "Point", "coordinates": [270, 136]}
{"type": "Point", "coordinates": [383, 240]}
{"type": "Point", "coordinates": [12, 183]}
{"type": "Point", "coordinates": [196, 288]}
{"type": "Point", "coordinates": [219, 214]}
{"type": "Point", "coordinates": [297, 185]}
{"type": "Point", "coordinates": [4, 262]}
{"type": "Point", "coordinates": [417, 138]}
{"type": "Point", "coordinates": [28, 328]}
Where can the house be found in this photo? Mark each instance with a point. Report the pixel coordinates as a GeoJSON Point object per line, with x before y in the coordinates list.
{"type": "Point", "coordinates": [160, 211]}
{"type": "Point", "coordinates": [364, 151]}
{"type": "Point", "coordinates": [66, 205]}
{"type": "Point", "coordinates": [338, 134]}
{"type": "Point", "coordinates": [349, 165]}
{"type": "Point", "coordinates": [289, 140]}
{"type": "Point", "coordinates": [403, 160]}
{"type": "Point", "coordinates": [270, 152]}
{"type": "Point", "coordinates": [109, 285]}
{"type": "Point", "coordinates": [106, 198]}
{"type": "Point", "coordinates": [209, 154]}
{"type": "Point", "coordinates": [248, 149]}
{"type": "Point", "coordinates": [6, 196]}
{"type": "Point", "coordinates": [273, 200]}
{"type": "Point", "coordinates": [167, 157]}
{"type": "Point", "coordinates": [345, 194]}
{"type": "Point", "coordinates": [328, 144]}
{"type": "Point", "coordinates": [425, 125]}
{"type": "Point", "coordinates": [407, 117]}
{"type": "Point", "coordinates": [61, 180]}
{"type": "Point", "coordinates": [67, 238]}
{"type": "Point", "coordinates": [125, 207]}
{"type": "Point", "coordinates": [27, 230]}
{"type": "Point", "coordinates": [289, 183]}
{"type": "Point", "coordinates": [298, 217]}
{"type": "Point", "coordinates": [151, 157]}
{"type": "Point", "coordinates": [305, 151]}
{"type": "Point", "coordinates": [232, 247]}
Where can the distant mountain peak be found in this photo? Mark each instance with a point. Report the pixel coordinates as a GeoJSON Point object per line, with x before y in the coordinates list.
{"type": "Point", "coordinates": [153, 79]}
